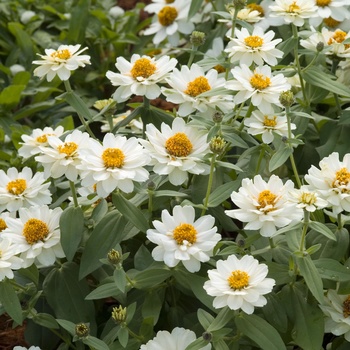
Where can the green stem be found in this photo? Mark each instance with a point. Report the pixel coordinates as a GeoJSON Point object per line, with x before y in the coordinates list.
{"type": "Point", "coordinates": [272, 243]}
{"type": "Point", "coordinates": [248, 114]}
{"type": "Point", "coordinates": [210, 183]}
{"type": "Point", "coordinates": [261, 157]}
{"type": "Point", "coordinates": [335, 63]}
{"type": "Point", "coordinates": [303, 234]}
{"type": "Point", "coordinates": [134, 335]}
{"type": "Point", "coordinates": [150, 205]}
{"type": "Point", "coordinates": [340, 221]}
{"type": "Point", "coordinates": [191, 58]}
{"type": "Point", "coordinates": [74, 193]}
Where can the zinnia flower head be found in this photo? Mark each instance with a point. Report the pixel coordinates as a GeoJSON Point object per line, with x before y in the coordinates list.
{"type": "Point", "coordinates": [8, 259]}
{"type": "Point", "coordinates": [239, 283]}
{"type": "Point", "coordinates": [61, 62]}
{"type": "Point", "coordinates": [307, 199]}
{"type": "Point", "coordinates": [182, 238]}
{"type": "Point", "coordinates": [336, 10]}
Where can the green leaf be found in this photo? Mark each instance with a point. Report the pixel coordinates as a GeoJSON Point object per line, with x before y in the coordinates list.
{"type": "Point", "coordinates": [78, 104]}
{"type": "Point", "coordinates": [198, 344]}
{"type": "Point", "coordinates": [10, 301]}
{"type": "Point", "coordinates": [228, 165]}
{"type": "Point", "coordinates": [332, 270]}
{"type": "Point", "coordinates": [169, 193]}
{"type": "Point", "coordinates": [323, 229]}
{"type": "Point", "coordinates": [152, 305]}
{"type": "Point", "coordinates": [315, 76]}
{"type": "Point", "coordinates": [103, 291]}
{"type": "Point", "coordinates": [221, 193]}
{"type": "Point", "coordinates": [11, 95]}
{"type": "Point", "coordinates": [95, 343]}
{"type": "Point", "coordinates": [262, 333]}
{"type": "Point", "coordinates": [104, 237]}
{"type": "Point", "coordinates": [120, 279]}
{"type": "Point", "coordinates": [72, 229]}
{"type": "Point", "coordinates": [204, 318]}
{"type": "Point", "coordinates": [45, 320]}
{"type": "Point", "coordinates": [194, 8]}
{"type": "Point", "coordinates": [131, 212]}
{"type": "Point", "coordinates": [78, 22]}
{"type": "Point", "coordinates": [23, 40]}
{"type": "Point", "coordinates": [67, 325]}
{"type": "Point", "coordinates": [280, 157]}
{"type": "Point", "coordinates": [150, 278]}
{"type": "Point", "coordinates": [221, 320]}
{"type": "Point", "coordinates": [311, 276]}
{"type": "Point", "coordinates": [123, 336]}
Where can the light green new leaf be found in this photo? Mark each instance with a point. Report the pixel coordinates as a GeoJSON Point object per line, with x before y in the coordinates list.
{"type": "Point", "coordinates": [72, 229]}
{"type": "Point", "coordinates": [279, 158]}
{"type": "Point", "coordinates": [221, 193]}
{"type": "Point", "coordinates": [123, 336]}
{"type": "Point", "coordinates": [67, 325]}
{"type": "Point", "coordinates": [228, 165]}
{"type": "Point", "coordinates": [95, 343]}
{"type": "Point", "coordinates": [261, 332]}
{"type": "Point", "coordinates": [78, 104]}
{"type": "Point", "coordinates": [198, 344]}
{"type": "Point", "coordinates": [332, 269]}
{"type": "Point", "coordinates": [10, 301]}
{"type": "Point", "coordinates": [194, 8]}
{"type": "Point", "coordinates": [204, 318]}
{"type": "Point", "coordinates": [221, 320]}
{"type": "Point", "coordinates": [104, 291]}
{"type": "Point", "coordinates": [323, 229]}
{"type": "Point", "coordinates": [11, 95]}
{"type": "Point", "coordinates": [45, 320]}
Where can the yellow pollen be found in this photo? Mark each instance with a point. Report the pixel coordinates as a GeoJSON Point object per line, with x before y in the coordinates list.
{"type": "Point", "coordinates": [197, 86]}
{"type": "Point", "coordinates": [270, 123]}
{"type": "Point", "coordinates": [62, 54]}
{"type": "Point", "coordinates": [342, 177]}
{"type": "Point", "coordinates": [178, 145]}
{"type": "Point", "coordinates": [259, 81]}
{"type": "Point", "coordinates": [17, 186]}
{"type": "Point", "coordinates": [113, 158]}
{"type": "Point", "coordinates": [35, 230]}
{"type": "Point", "coordinates": [323, 3]}
{"type": "Point", "coordinates": [2, 225]}
{"type": "Point", "coordinates": [256, 7]}
{"type": "Point", "coordinates": [143, 68]}
{"type": "Point", "coordinates": [330, 22]}
{"type": "Point", "coordinates": [167, 15]}
{"type": "Point", "coordinates": [346, 307]}
{"type": "Point", "coordinates": [185, 232]}
{"type": "Point", "coordinates": [266, 198]}
{"type": "Point", "coordinates": [308, 198]}
{"type": "Point", "coordinates": [338, 37]}
{"type": "Point", "coordinates": [238, 280]}
{"type": "Point", "coordinates": [68, 148]}
{"type": "Point", "coordinates": [254, 41]}
{"type": "Point", "coordinates": [293, 7]}
{"type": "Point", "coordinates": [43, 138]}
{"type": "Point", "coordinates": [219, 68]}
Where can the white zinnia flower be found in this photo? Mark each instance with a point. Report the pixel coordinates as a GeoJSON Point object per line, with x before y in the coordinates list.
{"type": "Point", "coordinates": [338, 10]}
{"type": "Point", "coordinates": [266, 125]}
{"type": "Point", "coordinates": [182, 238]}
{"type": "Point", "coordinates": [177, 150]}
{"type": "Point", "coordinates": [140, 76]}
{"type": "Point", "coordinates": [36, 235]}
{"type": "Point", "coordinates": [63, 157]}
{"type": "Point", "coordinates": [31, 143]}
{"type": "Point", "coordinates": [260, 85]}
{"type": "Point", "coordinates": [239, 283]}
{"type": "Point", "coordinates": [22, 189]}
{"type": "Point", "coordinates": [8, 259]}
{"type": "Point", "coordinates": [115, 163]}
{"type": "Point", "coordinates": [188, 88]}
{"type": "Point", "coordinates": [60, 62]}
{"type": "Point", "coordinates": [294, 11]}
{"type": "Point", "coordinates": [307, 199]}
{"type": "Point", "coordinates": [265, 206]}
{"type": "Point", "coordinates": [336, 309]}
{"type": "Point", "coordinates": [169, 21]}
{"type": "Point", "coordinates": [178, 339]}
{"type": "Point", "coordinates": [257, 47]}
{"type": "Point", "coordinates": [23, 348]}
{"type": "Point", "coordinates": [332, 181]}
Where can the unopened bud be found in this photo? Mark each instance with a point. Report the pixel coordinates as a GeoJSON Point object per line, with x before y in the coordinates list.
{"type": "Point", "coordinates": [119, 314]}
{"type": "Point", "coordinates": [241, 243]}
{"type": "Point", "coordinates": [197, 38]}
{"type": "Point", "coordinates": [320, 46]}
{"type": "Point", "coordinates": [239, 4]}
{"type": "Point", "coordinates": [287, 98]}
{"type": "Point", "coordinates": [207, 336]}
{"type": "Point", "coordinates": [82, 330]}
{"type": "Point", "coordinates": [151, 185]}
{"type": "Point", "coordinates": [217, 144]}
{"type": "Point", "coordinates": [114, 257]}
{"type": "Point", "coordinates": [217, 117]}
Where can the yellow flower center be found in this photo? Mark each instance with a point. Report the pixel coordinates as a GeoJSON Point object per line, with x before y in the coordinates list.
{"type": "Point", "coordinates": [346, 307]}
{"type": "Point", "coordinates": [62, 54]}
{"type": "Point", "coordinates": [259, 81]}
{"type": "Point", "coordinates": [143, 68]}
{"type": "Point", "coordinates": [238, 280]}
{"type": "Point", "coordinates": [35, 230]}
{"type": "Point", "coordinates": [323, 3]}
{"type": "Point", "coordinates": [338, 37]}
{"type": "Point", "coordinates": [178, 145]}
{"type": "Point", "coordinates": [2, 225]}
{"type": "Point", "coordinates": [293, 7]}
{"type": "Point", "coordinates": [266, 198]}
{"type": "Point", "coordinates": [167, 15]}
{"type": "Point", "coordinates": [68, 148]}
{"type": "Point", "coordinates": [330, 22]}
{"type": "Point", "coordinates": [342, 177]}
{"type": "Point", "coordinates": [308, 198]}
{"type": "Point", "coordinates": [17, 186]}
{"type": "Point", "coordinates": [254, 41]}
{"type": "Point", "coordinates": [113, 158]}
{"type": "Point", "coordinates": [219, 68]}
{"type": "Point", "coordinates": [185, 232]}
{"type": "Point", "coordinates": [270, 123]}
{"type": "Point", "coordinates": [43, 138]}
{"type": "Point", "coordinates": [197, 86]}
{"type": "Point", "coordinates": [256, 7]}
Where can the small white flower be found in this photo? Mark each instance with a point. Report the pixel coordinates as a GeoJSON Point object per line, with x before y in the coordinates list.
{"type": "Point", "coordinates": [36, 235]}
{"type": "Point", "coordinates": [140, 76]}
{"type": "Point", "coordinates": [332, 181]}
{"type": "Point", "coordinates": [176, 151]}
{"type": "Point", "coordinates": [265, 206]}
{"type": "Point", "coordinates": [257, 47]}
{"type": "Point", "coordinates": [294, 11]}
{"type": "Point", "coordinates": [336, 309]}
{"type": "Point", "coordinates": [37, 139]}
{"type": "Point", "coordinates": [26, 16]}
{"type": "Point", "coordinates": [8, 259]}
{"type": "Point", "coordinates": [182, 238]}
{"type": "Point", "coordinates": [61, 62]}
{"type": "Point", "coordinates": [16, 68]}
{"type": "Point", "coordinates": [259, 85]}
{"type": "Point", "coordinates": [307, 199]}
{"type": "Point", "coordinates": [115, 163]}
{"type": "Point", "coordinates": [63, 157]}
{"type": "Point", "coordinates": [22, 189]}
{"type": "Point", "coordinates": [116, 12]}
{"type": "Point", "coordinates": [188, 88]}
{"type": "Point", "coordinates": [178, 339]}
{"type": "Point", "coordinates": [239, 283]}
{"type": "Point", "coordinates": [266, 125]}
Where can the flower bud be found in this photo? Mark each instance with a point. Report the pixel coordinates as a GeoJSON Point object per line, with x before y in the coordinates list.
{"type": "Point", "coordinates": [217, 144]}
{"type": "Point", "coordinates": [116, 12]}
{"type": "Point", "coordinates": [207, 336]}
{"type": "Point", "coordinates": [197, 38]}
{"type": "Point", "coordinates": [320, 46]}
{"type": "Point", "coordinates": [119, 314]}
{"type": "Point", "coordinates": [100, 104]}
{"type": "Point", "coordinates": [217, 117]}
{"type": "Point", "coordinates": [287, 98]}
{"type": "Point", "coordinates": [82, 330]}
{"type": "Point", "coordinates": [151, 186]}
{"type": "Point", "coordinates": [114, 257]}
